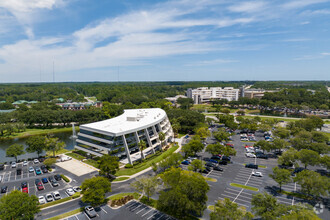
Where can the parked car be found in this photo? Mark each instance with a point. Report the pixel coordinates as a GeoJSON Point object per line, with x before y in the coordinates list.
{"type": "Point", "coordinates": [19, 171]}
{"type": "Point", "coordinates": [263, 156]}
{"type": "Point", "coordinates": [251, 155]}
{"type": "Point", "coordinates": [213, 161]}
{"type": "Point", "coordinates": [69, 191]}
{"type": "Point", "coordinates": [24, 184]}
{"type": "Point", "coordinates": [185, 162]}
{"type": "Point", "coordinates": [223, 162]}
{"type": "Point", "coordinates": [217, 168]}
{"type": "Point", "coordinates": [4, 189]}
{"type": "Point", "coordinates": [251, 165]}
{"type": "Point", "coordinates": [297, 170]}
{"type": "Point", "coordinates": [58, 177]}
{"type": "Point", "coordinates": [42, 200]}
{"type": "Point", "coordinates": [89, 210]}
{"type": "Point", "coordinates": [49, 198]}
{"type": "Point", "coordinates": [52, 181]}
{"type": "Point", "coordinates": [215, 157]}
{"type": "Point", "coordinates": [35, 161]}
{"type": "Point", "coordinates": [25, 190]}
{"type": "Point", "coordinates": [44, 169]}
{"type": "Point", "coordinates": [258, 174]}
{"type": "Point", "coordinates": [226, 158]}
{"type": "Point", "coordinates": [44, 180]}
{"type": "Point", "coordinates": [38, 171]}
{"type": "Point", "coordinates": [209, 164]}
{"type": "Point", "coordinates": [76, 189]}
{"type": "Point", "coordinates": [56, 195]}
{"type": "Point", "coordinates": [25, 163]}
{"type": "Point", "coordinates": [31, 169]}
{"type": "Point", "coordinates": [206, 170]}
{"type": "Point", "coordinates": [39, 184]}
{"type": "Point", "coordinates": [13, 164]}
{"type": "Point", "coordinates": [2, 166]}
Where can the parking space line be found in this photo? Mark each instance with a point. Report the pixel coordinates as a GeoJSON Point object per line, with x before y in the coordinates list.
{"type": "Point", "coordinates": [235, 202]}
{"type": "Point", "coordinates": [131, 205]}
{"type": "Point", "coordinates": [162, 214]}
{"type": "Point", "coordinates": [147, 212]}
{"type": "Point", "coordinates": [104, 210]}
{"type": "Point", "coordinates": [132, 210]}
{"type": "Point", "coordinates": [87, 216]}
{"type": "Point", "coordinates": [246, 196]}
{"type": "Point", "coordinates": [142, 209]}
{"type": "Point", "coordinates": [152, 215]}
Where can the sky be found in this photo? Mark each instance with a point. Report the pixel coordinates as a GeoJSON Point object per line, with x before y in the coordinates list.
{"type": "Point", "coordinates": [154, 40]}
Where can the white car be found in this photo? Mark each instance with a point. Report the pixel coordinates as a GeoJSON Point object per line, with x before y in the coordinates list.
{"type": "Point", "coordinates": [25, 163]}
{"type": "Point", "coordinates": [31, 169]}
{"type": "Point", "coordinates": [56, 195]}
{"type": "Point", "coordinates": [42, 200]}
{"type": "Point", "coordinates": [70, 191]}
{"type": "Point", "coordinates": [250, 155]}
{"type": "Point", "coordinates": [258, 174]}
{"type": "Point", "coordinates": [35, 161]}
{"type": "Point", "coordinates": [13, 165]}
{"type": "Point", "coordinates": [248, 150]}
{"type": "Point", "coordinates": [76, 189]}
{"type": "Point", "coordinates": [49, 198]}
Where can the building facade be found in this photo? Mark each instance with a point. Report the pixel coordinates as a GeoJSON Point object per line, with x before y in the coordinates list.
{"type": "Point", "coordinates": [120, 136]}
{"type": "Point", "coordinates": [205, 94]}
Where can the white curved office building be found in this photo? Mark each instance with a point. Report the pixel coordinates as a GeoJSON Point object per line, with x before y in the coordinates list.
{"type": "Point", "coordinates": [120, 136]}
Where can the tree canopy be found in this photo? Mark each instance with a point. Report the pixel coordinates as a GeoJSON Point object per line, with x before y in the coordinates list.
{"type": "Point", "coordinates": [94, 190]}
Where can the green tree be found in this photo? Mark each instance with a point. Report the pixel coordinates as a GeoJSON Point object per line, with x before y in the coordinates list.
{"type": "Point", "coordinates": [264, 145]}
{"type": "Point", "coordinates": [203, 132]}
{"type": "Point", "coordinates": [161, 136]}
{"type": "Point", "coordinates": [36, 144]}
{"type": "Point", "coordinates": [225, 110]}
{"type": "Point", "coordinates": [297, 214]}
{"type": "Point", "coordinates": [142, 145]}
{"type": "Point", "coordinates": [185, 103]}
{"type": "Point", "coordinates": [228, 210]}
{"type": "Point", "coordinates": [15, 150]}
{"type": "Point", "coordinates": [18, 205]}
{"type": "Point", "coordinates": [279, 144]}
{"type": "Point", "coordinates": [94, 190]}
{"type": "Point", "coordinates": [221, 135]}
{"type": "Point", "coordinates": [196, 165]}
{"type": "Point", "coordinates": [53, 144]}
{"type": "Point", "coordinates": [241, 112]}
{"type": "Point", "coordinates": [319, 137]}
{"type": "Point", "coordinates": [312, 183]}
{"type": "Point", "coordinates": [282, 133]}
{"type": "Point", "coordinates": [108, 165]}
{"type": "Point", "coordinates": [281, 176]}
{"type": "Point", "coordinates": [146, 185]}
{"type": "Point", "coordinates": [302, 140]}
{"type": "Point", "coordinates": [214, 149]}
{"type": "Point", "coordinates": [288, 158]}
{"type": "Point", "coordinates": [308, 157]}
{"type": "Point", "coordinates": [265, 206]}
{"type": "Point", "coordinates": [173, 160]}
{"type": "Point", "coordinates": [325, 161]}
{"type": "Point", "coordinates": [185, 193]}
{"type": "Point", "coordinates": [320, 148]}
{"type": "Point", "coordinates": [193, 147]}
{"type": "Point", "coordinates": [49, 162]}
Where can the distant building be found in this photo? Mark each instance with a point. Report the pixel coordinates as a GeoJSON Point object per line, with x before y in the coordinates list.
{"type": "Point", "coordinates": [75, 106]}
{"type": "Point", "coordinates": [253, 93]}
{"type": "Point", "coordinates": [205, 94]}
{"type": "Point", "coordinates": [175, 98]}
{"type": "Point", "coordinates": [120, 136]}
{"type": "Point", "coordinates": [28, 103]}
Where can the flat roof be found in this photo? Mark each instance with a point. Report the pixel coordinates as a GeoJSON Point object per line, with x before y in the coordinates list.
{"type": "Point", "coordinates": [131, 120]}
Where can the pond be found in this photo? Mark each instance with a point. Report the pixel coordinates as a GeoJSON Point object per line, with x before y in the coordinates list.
{"type": "Point", "coordinates": [4, 144]}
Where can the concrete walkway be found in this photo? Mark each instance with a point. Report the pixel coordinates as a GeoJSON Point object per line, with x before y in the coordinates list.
{"type": "Point", "coordinates": [178, 140]}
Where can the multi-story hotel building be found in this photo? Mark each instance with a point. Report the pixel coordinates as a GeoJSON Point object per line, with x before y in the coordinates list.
{"type": "Point", "coordinates": [120, 136]}
{"type": "Point", "coordinates": [205, 94]}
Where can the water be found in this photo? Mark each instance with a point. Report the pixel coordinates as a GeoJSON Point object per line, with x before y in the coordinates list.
{"type": "Point", "coordinates": [4, 144]}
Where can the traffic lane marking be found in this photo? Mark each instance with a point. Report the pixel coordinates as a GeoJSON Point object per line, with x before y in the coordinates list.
{"type": "Point", "coordinates": [235, 202]}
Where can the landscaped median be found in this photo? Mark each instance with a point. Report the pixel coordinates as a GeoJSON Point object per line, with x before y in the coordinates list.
{"type": "Point", "coordinates": [146, 163]}
{"type": "Point", "coordinates": [244, 187]}
{"type": "Point", "coordinates": [67, 214]}
{"type": "Point", "coordinates": [210, 179]}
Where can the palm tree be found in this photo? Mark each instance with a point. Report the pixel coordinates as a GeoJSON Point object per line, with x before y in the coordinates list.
{"type": "Point", "coordinates": [142, 145]}
{"type": "Point", "coordinates": [161, 138]}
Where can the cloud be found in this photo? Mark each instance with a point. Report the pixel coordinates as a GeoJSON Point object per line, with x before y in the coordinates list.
{"type": "Point", "coordinates": [296, 40]}
{"type": "Point", "coordinates": [313, 57]}
{"type": "Point", "coordinates": [212, 62]}
{"type": "Point", "coordinates": [301, 3]}
{"type": "Point", "coordinates": [248, 7]}
{"type": "Point", "coordinates": [316, 12]}
{"type": "Point", "coordinates": [325, 54]}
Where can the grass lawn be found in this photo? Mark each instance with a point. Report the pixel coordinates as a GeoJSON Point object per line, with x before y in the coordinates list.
{"type": "Point", "coordinates": [38, 131]}
{"type": "Point", "coordinates": [202, 107]}
{"type": "Point", "coordinates": [146, 164]}
{"type": "Point", "coordinates": [244, 187]}
{"type": "Point", "coordinates": [62, 151]}
{"type": "Point", "coordinates": [269, 117]}
{"type": "Point", "coordinates": [181, 135]}
{"type": "Point", "coordinates": [121, 195]}
{"type": "Point", "coordinates": [120, 179]}
{"type": "Point", "coordinates": [210, 179]}
{"type": "Point", "coordinates": [67, 214]}
{"type": "Point", "coordinates": [75, 156]}
{"type": "Point", "coordinates": [151, 202]}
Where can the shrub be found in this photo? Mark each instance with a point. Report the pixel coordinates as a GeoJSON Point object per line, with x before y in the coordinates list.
{"type": "Point", "coordinates": [66, 179]}
{"type": "Point", "coordinates": [121, 201]}
{"type": "Point", "coordinates": [76, 195]}
{"type": "Point", "coordinates": [128, 166]}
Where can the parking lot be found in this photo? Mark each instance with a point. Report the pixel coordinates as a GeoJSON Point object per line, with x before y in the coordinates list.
{"type": "Point", "coordinates": [13, 181]}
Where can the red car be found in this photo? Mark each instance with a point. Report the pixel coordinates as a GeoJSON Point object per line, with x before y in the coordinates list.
{"type": "Point", "coordinates": [229, 145]}
{"type": "Point", "coordinates": [39, 184]}
{"type": "Point", "coordinates": [25, 190]}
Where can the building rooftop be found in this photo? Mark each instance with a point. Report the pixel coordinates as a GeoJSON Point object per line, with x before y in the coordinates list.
{"type": "Point", "coordinates": [130, 120]}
